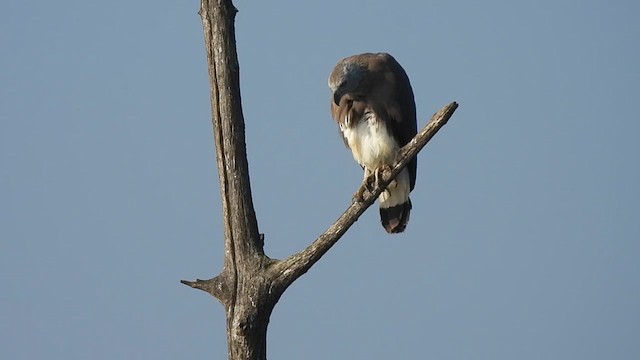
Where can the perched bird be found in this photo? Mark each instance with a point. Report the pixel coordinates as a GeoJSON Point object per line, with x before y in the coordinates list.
{"type": "Point", "coordinates": [372, 102]}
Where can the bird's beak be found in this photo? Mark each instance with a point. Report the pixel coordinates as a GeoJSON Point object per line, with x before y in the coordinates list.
{"type": "Point", "coordinates": [336, 97]}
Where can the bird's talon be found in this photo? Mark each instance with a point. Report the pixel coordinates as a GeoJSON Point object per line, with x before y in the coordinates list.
{"type": "Point", "coordinates": [379, 172]}
{"type": "Point", "coordinates": [359, 195]}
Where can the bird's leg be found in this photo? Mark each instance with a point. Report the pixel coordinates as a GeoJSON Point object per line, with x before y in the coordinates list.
{"type": "Point", "coordinates": [372, 180]}
{"type": "Point", "coordinates": [368, 184]}
{"type": "Point", "coordinates": [378, 175]}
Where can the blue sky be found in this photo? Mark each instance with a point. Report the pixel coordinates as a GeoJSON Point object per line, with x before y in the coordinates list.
{"type": "Point", "coordinates": [524, 236]}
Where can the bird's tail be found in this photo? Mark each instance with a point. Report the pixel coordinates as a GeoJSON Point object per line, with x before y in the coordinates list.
{"type": "Point", "coordinates": [395, 219]}
{"type": "Point", "coordinates": [395, 205]}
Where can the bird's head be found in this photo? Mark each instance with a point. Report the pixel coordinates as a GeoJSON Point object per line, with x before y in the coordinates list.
{"type": "Point", "coordinates": [345, 78]}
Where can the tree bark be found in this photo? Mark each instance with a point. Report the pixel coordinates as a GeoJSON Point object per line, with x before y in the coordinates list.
{"type": "Point", "coordinates": [251, 283]}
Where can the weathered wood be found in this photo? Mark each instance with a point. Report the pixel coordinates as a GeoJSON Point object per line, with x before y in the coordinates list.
{"type": "Point", "coordinates": [238, 287]}
{"type": "Point", "coordinates": [251, 283]}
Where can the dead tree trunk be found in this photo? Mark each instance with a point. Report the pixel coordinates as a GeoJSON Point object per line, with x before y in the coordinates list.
{"type": "Point", "coordinates": [251, 283]}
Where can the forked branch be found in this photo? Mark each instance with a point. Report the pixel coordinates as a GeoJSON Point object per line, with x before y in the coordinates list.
{"type": "Point", "coordinates": [251, 283]}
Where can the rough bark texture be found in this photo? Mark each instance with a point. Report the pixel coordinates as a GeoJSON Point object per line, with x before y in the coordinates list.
{"type": "Point", "coordinates": [251, 283]}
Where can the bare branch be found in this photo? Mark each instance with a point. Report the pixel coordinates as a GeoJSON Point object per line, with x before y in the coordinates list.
{"type": "Point", "coordinates": [216, 287]}
{"type": "Point", "coordinates": [293, 267]}
{"type": "Point", "coordinates": [240, 224]}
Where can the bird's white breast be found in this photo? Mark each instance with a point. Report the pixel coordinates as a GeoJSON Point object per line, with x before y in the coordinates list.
{"type": "Point", "coordinates": [371, 143]}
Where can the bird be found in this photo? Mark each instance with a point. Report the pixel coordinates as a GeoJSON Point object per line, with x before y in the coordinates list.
{"type": "Point", "coordinates": [373, 104]}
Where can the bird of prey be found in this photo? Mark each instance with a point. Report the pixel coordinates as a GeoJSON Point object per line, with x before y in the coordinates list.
{"type": "Point", "coordinates": [372, 102]}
